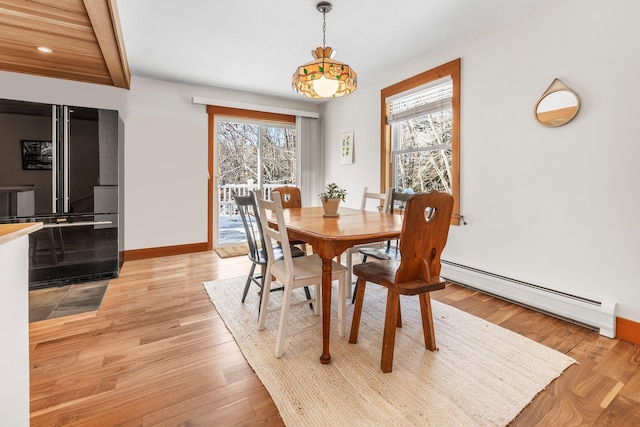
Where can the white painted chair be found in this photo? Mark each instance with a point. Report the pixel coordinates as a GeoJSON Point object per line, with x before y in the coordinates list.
{"type": "Point", "coordinates": [293, 272]}
{"type": "Point", "coordinates": [382, 205]}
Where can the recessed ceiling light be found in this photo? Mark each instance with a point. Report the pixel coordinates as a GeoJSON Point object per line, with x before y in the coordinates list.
{"type": "Point", "coordinates": [45, 49]}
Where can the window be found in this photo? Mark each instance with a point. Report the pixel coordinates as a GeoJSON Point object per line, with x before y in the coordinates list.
{"type": "Point", "coordinates": [421, 138]}
{"type": "Point", "coordinates": [420, 133]}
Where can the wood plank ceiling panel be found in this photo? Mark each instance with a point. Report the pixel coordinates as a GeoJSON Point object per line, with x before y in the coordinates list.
{"type": "Point", "coordinates": [85, 37]}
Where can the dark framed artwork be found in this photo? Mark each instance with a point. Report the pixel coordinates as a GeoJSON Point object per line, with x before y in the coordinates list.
{"type": "Point", "coordinates": [36, 155]}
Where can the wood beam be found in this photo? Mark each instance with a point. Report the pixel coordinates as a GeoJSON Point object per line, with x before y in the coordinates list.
{"type": "Point", "coordinates": [106, 25]}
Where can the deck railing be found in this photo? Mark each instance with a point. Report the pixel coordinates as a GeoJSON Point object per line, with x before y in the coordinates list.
{"type": "Point", "coordinates": [226, 192]}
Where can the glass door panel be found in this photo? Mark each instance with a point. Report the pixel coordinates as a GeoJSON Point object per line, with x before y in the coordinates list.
{"type": "Point", "coordinates": [237, 154]}
{"type": "Point", "coordinates": [82, 151]}
{"type": "Point", "coordinates": [279, 156]}
{"type": "Point", "coordinates": [243, 148]}
{"type": "Point", "coordinates": [26, 167]}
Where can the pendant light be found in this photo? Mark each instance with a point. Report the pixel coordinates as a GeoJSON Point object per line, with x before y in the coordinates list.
{"type": "Point", "coordinates": [324, 77]}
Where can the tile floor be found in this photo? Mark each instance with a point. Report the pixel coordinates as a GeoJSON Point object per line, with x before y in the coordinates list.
{"type": "Point", "coordinates": [50, 303]}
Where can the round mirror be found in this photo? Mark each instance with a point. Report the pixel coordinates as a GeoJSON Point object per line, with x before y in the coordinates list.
{"type": "Point", "coordinates": [558, 105]}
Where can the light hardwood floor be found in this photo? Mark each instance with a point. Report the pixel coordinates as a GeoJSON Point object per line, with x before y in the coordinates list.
{"type": "Point", "coordinates": [156, 353]}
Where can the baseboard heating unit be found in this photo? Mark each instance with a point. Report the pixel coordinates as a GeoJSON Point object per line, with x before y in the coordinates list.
{"type": "Point", "coordinates": [598, 315]}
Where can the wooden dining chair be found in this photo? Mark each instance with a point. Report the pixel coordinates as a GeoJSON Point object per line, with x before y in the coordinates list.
{"type": "Point", "coordinates": [248, 210]}
{"type": "Point", "coordinates": [291, 198]}
{"type": "Point", "coordinates": [396, 205]}
{"type": "Point", "coordinates": [292, 272]}
{"type": "Point", "coordinates": [425, 228]}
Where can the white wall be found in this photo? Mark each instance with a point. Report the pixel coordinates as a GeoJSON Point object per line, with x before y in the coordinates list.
{"type": "Point", "coordinates": [550, 206]}
{"type": "Point", "coordinates": [166, 140]}
{"type": "Point", "coordinates": [14, 330]}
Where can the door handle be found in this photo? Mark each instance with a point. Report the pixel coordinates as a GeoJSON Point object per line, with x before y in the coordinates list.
{"type": "Point", "coordinates": [76, 224]}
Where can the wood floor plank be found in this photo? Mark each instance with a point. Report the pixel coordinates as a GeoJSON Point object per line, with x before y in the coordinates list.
{"type": "Point", "coordinates": [631, 389]}
{"type": "Point", "coordinates": [621, 412]}
{"type": "Point", "coordinates": [571, 410]}
{"type": "Point", "coordinates": [157, 353]}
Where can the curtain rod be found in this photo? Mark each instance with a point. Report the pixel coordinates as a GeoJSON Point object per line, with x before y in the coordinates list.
{"type": "Point", "coordinates": [255, 107]}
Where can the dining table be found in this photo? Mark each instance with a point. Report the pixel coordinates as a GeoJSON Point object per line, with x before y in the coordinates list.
{"type": "Point", "coordinates": [330, 236]}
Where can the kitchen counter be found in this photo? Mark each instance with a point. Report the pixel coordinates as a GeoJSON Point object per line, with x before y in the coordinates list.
{"type": "Point", "coordinates": [9, 232]}
{"type": "Point", "coordinates": [14, 321]}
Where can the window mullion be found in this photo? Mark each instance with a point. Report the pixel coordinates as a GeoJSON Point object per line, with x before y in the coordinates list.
{"type": "Point", "coordinates": [424, 149]}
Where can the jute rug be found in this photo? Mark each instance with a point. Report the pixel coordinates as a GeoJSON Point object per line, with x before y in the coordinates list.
{"type": "Point", "coordinates": [482, 375]}
{"type": "Point", "coordinates": [231, 251]}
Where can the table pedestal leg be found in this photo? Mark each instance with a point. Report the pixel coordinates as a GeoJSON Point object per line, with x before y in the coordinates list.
{"type": "Point", "coordinates": [326, 309]}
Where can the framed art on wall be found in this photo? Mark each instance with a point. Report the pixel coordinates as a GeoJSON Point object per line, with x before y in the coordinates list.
{"type": "Point", "coordinates": [36, 155]}
{"type": "Point", "coordinates": [346, 148]}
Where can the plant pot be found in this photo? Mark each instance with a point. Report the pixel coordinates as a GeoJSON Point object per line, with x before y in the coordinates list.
{"type": "Point", "coordinates": [330, 207]}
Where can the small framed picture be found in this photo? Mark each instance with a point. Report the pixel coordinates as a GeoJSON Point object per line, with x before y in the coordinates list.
{"type": "Point", "coordinates": [346, 148]}
{"type": "Point", "coordinates": [36, 155]}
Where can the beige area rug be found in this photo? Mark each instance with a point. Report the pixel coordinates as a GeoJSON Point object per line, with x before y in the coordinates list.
{"type": "Point", "coordinates": [482, 375]}
{"type": "Point", "coordinates": [231, 251]}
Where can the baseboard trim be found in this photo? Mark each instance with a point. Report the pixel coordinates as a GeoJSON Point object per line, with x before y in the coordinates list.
{"type": "Point", "coordinates": [135, 254]}
{"type": "Point", "coordinates": [628, 330]}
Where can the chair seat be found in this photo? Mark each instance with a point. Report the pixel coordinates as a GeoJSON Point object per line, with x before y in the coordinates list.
{"type": "Point", "coordinates": [306, 269]}
{"type": "Point", "coordinates": [295, 252]}
{"type": "Point", "coordinates": [381, 253]}
{"type": "Point", "coordinates": [384, 273]}
{"type": "Point", "coordinates": [277, 251]}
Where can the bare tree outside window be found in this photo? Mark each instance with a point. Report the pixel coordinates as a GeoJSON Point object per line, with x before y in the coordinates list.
{"type": "Point", "coordinates": [279, 155]}
{"type": "Point", "coordinates": [423, 153]}
{"type": "Point", "coordinates": [238, 152]}
{"type": "Point", "coordinates": [421, 137]}
{"type": "Point", "coordinates": [245, 148]}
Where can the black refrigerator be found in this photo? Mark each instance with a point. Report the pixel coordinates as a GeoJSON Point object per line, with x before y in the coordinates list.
{"type": "Point", "coordinates": [64, 166]}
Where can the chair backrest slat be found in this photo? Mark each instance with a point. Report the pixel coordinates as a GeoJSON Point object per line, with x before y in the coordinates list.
{"type": "Point", "coordinates": [248, 210]}
{"type": "Point", "coordinates": [394, 197]}
{"type": "Point", "coordinates": [383, 199]}
{"type": "Point", "coordinates": [425, 229]}
{"type": "Point", "coordinates": [398, 196]}
{"type": "Point", "coordinates": [275, 235]}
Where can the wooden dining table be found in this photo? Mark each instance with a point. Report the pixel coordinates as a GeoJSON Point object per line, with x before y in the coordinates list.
{"type": "Point", "coordinates": [330, 236]}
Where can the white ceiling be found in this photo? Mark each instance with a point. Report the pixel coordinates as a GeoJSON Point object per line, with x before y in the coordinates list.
{"type": "Point", "coordinates": [255, 45]}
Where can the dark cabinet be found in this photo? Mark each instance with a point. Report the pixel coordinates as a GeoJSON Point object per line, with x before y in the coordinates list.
{"type": "Point", "coordinates": [63, 166]}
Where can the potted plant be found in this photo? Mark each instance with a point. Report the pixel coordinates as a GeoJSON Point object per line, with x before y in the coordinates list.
{"type": "Point", "coordinates": [331, 198]}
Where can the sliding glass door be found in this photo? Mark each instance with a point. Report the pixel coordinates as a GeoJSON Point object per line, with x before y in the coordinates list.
{"type": "Point", "coordinates": [250, 154]}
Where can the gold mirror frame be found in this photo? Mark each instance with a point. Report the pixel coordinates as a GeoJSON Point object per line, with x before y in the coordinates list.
{"type": "Point", "coordinates": [557, 106]}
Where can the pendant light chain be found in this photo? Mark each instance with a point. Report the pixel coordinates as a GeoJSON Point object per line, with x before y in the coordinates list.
{"type": "Point", "coordinates": [324, 29]}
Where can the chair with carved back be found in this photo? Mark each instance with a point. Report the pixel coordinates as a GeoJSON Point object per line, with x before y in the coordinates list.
{"type": "Point", "coordinates": [292, 272]}
{"type": "Point", "coordinates": [291, 198]}
{"type": "Point", "coordinates": [396, 205]}
{"type": "Point", "coordinates": [425, 229]}
{"type": "Point", "coordinates": [248, 210]}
